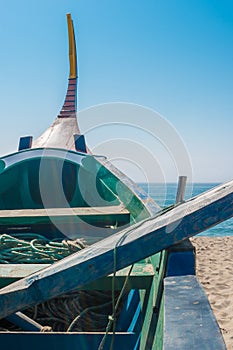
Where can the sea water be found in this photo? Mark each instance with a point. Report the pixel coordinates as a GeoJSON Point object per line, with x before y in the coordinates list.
{"type": "Point", "coordinates": [165, 195]}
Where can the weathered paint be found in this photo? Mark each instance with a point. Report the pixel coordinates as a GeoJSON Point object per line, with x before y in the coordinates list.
{"type": "Point", "coordinates": [80, 143]}
{"type": "Point", "coordinates": [140, 278]}
{"type": "Point", "coordinates": [151, 301]}
{"type": "Point", "coordinates": [96, 216]}
{"type": "Point", "coordinates": [181, 259]}
{"type": "Point", "coordinates": [159, 331]}
{"type": "Point", "coordinates": [61, 341]}
{"type": "Point", "coordinates": [130, 245]}
{"type": "Point", "coordinates": [189, 322]}
{"type": "Point", "coordinates": [25, 142]}
{"type": "Point", "coordinates": [80, 177]}
{"type": "Point", "coordinates": [24, 322]}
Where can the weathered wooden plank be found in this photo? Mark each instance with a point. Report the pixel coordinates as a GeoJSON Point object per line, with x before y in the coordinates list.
{"type": "Point", "coordinates": [128, 246]}
{"type": "Point", "coordinates": [19, 270]}
{"type": "Point", "coordinates": [189, 322]}
{"type": "Point", "coordinates": [23, 270]}
{"type": "Point", "coordinates": [25, 322]}
{"type": "Point", "coordinates": [140, 278]}
{"type": "Point", "coordinates": [180, 259]}
{"type": "Point", "coordinates": [10, 273]}
{"type": "Point", "coordinates": [63, 340]}
{"type": "Point", "coordinates": [78, 211]}
{"type": "Point", "coordinates": [62, 215]}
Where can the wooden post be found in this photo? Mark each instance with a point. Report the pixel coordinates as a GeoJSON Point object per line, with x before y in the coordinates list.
{"type": "Point", "coordinates": [80, 144]}
{"type": "Point", "coordinates": [25, 142]}
{"type": "Point", "coordinates": [181, 189]}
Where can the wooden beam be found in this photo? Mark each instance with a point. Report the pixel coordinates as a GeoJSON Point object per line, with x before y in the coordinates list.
{"type": "Point", "coordinates": [19, 270]}
{"type": "Point", "coordinates": [189, 322]}
{"type": "Point", "coordinates": [140, 277]}
{"type": "Point", "coordinates": [62, 215]}
{"type": "Point", "coordinates": [63, 340]}
{"type": "Point", "coordinates": [10, 273]}
{"type": "Point", "coordinates": [125, 248]}
{"type": "Point", "coordinates": [25, 322]}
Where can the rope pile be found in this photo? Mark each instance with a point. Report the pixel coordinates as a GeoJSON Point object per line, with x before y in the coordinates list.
{"type": "Point", "coordinates": [74, 311]}
{"type": "Point", "coordinates": [27, 248]}
{"type": "Point", "coordinates": [77, 311]}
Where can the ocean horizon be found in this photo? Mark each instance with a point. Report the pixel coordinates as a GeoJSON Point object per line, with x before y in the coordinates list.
{"type": "Point", "coordinates": [165, 194]}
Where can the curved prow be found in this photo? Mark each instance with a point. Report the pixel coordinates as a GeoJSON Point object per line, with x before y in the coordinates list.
{"type": "Point", "coordinates": [64, 132]}
{"type": "Point", "coordinates": [69, 107]}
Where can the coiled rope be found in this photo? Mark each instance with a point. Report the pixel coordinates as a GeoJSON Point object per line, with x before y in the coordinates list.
{"type": "Point", "coordinates": [27, 248]}
{"type": "Point", "coordinates": [74, 311]}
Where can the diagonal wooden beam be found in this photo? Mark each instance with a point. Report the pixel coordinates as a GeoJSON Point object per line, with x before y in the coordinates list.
{"type": "Point", "coordinates": [128, 247]}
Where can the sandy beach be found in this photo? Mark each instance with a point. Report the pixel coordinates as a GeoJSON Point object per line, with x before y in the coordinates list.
{"type": "Point", "coordinates": [214, 268]}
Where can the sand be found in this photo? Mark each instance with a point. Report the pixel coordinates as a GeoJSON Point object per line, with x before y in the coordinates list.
{"type": "Point", "coordinates": [214, 269]}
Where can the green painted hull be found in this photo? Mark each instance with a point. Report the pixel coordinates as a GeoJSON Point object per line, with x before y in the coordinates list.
{"type": "Point", "coordinates": [120, 203]}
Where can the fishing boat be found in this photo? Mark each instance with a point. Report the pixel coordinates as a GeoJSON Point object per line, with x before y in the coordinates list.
{"type": "Point", "coordinates": [90, 261]}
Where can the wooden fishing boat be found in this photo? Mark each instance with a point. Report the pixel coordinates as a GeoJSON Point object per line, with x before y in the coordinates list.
{"type": "Point", "coordinates": [136, 267]}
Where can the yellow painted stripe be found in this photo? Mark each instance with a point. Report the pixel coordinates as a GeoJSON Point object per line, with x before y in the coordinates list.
{"type": "Point", "coordinates": [72, 48]}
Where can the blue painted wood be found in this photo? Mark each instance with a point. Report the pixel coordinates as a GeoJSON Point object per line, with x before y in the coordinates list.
{"type": "Point", "coordinates": [180, 263]}
{"type": "Point", "coordinates": [189, 322]}
{"type": "Point", "coordinates": [126, 320]}
{"type": "Point", "coordinates": [130, 318]}
{"type": "Point", "coordinates": [80, 143]}
{"type": "Point", "coordinates": [24, 322]}
{"type": "Point", "coordinates": [129, 246]}
{"type": "Point", "coordinates": [65, 341]}
{"type": "Point", "coordinates": [25, 142]}
{"type": "Point", "coordinates": [181, 259]}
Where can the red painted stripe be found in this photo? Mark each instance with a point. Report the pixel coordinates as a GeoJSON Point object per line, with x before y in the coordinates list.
{"type": "Point", "coordinates": [69, 104]}
{"type": "Point", "coordinates": [70, 98]}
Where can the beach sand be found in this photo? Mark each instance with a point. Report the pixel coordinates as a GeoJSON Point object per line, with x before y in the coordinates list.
{"type": "Point", "coordinates": [214, 269]}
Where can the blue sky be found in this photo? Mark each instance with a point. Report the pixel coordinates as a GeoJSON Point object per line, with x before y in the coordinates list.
{"type": "Point", "coordinates": [173, 56]}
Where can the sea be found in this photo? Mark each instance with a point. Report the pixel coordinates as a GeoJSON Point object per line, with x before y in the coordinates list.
{"type": "Point", "coordinates": [165, 195]}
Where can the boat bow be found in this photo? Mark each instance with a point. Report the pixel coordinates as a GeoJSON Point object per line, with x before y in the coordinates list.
{"type": "Point", "coordinates": [61, 133]}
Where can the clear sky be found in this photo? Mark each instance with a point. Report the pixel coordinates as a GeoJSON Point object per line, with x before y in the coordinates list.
{"type": "Point", "coordinates": [172, 56]}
